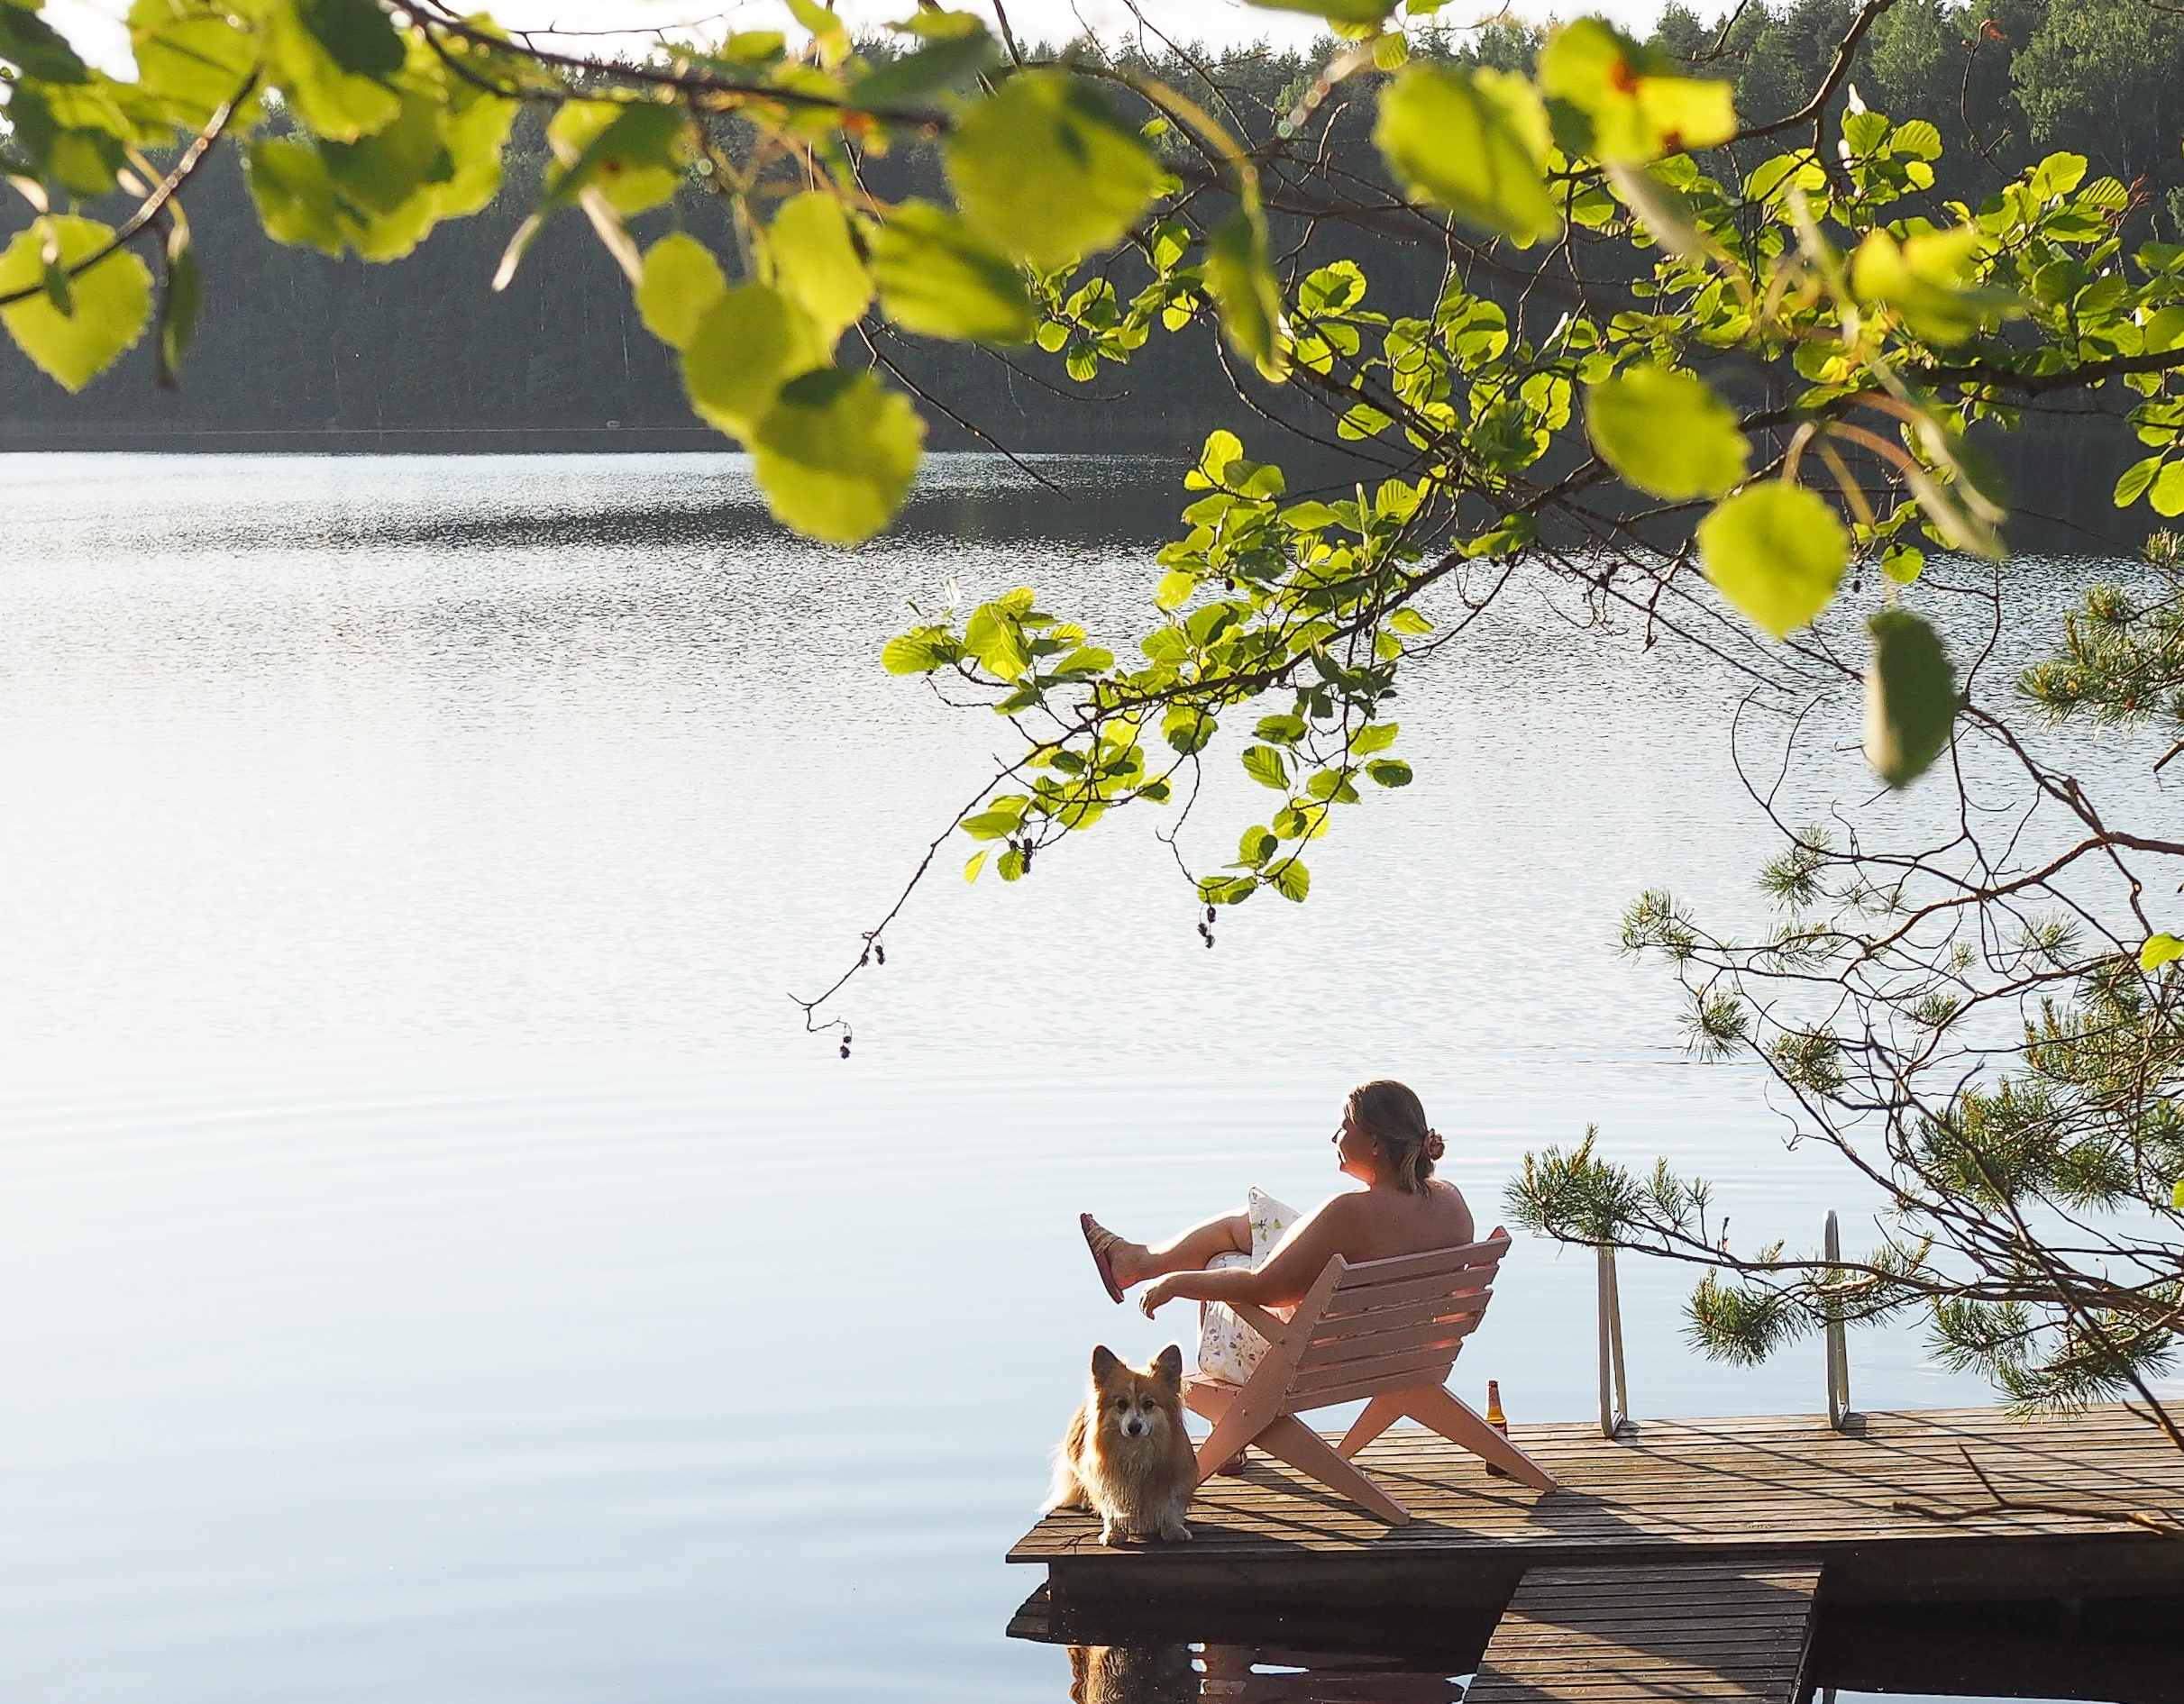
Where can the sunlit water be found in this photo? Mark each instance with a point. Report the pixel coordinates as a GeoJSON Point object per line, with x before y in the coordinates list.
{"type": "Point", "coordinates": [434, 1261]}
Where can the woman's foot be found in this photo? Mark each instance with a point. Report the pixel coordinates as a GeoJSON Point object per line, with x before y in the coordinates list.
{"type": "Point", "coordinates": [1121, 1263]}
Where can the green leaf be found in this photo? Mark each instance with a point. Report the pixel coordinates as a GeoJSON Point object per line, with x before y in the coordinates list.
{"type": "Point", "coordinates": [1266, 765]}
{"type": "Point", "coordinates": [1256, 847]}
{"type": "Point", "coordinates": [994, 824]}
{"type": "Point", "coordinates": [1174, 588]}
{"type": "Point", "coordinates": [2168, 495]}
{"type": "Point", "coordinates": [681, 282]}
{"type": "Point", "coordinates": [189, 60]}
{"type": "Point", "coordinates": [916, 653]}
{"type": "Point", "coordinates": [295, 195]}
{"type": "Point", "coordinates": [1903, 563]}
{"type": "Point", "coordinates": [1409, 621]}
{"type": "Point", "coordinates": [1928, 279]}
{"type": "Point", "coordinates": [1187, 729]}
{"type": "Point", "coordinates": [939, 279]}
{"type": "Point", "coordinates": [357, 34]}
{"type": "Point", "coordinates": [1777, 552]}
{"type": "Point", "coordinates": [747, 345]}
{"type": "Point", "coordinates": [439, 157]}
{"type": "Point", "coordinates": [816, 262]}
{"type": "Point", "coordinates": [73, 138]}
{"type": "Point", "coordinates": [945, 64]}
{"type": "Point", "coordinates": [1309, 516]}
{"type": "Point", "coordinates": [971, 870]}
{"type": "Point", "coordinates": [1472, 140]}
{"type": "Point", "coordinates": [2135, 479]}
{"type": "Point", "coordinates": [1373, 736]}
{"type": "Point", "coordinates": [994, 637]}
{"type": "Point", "coordinates": [2176, 1196]}
{"type": "Point", "coordinates": [379, 172]}
{"type": "Point", "coordinates": [1241, 279]}
{"type": "Point", "coordinates": [2160, 950]}
{"type": "Point", "coordinates": [837, 454]}
{"type": "Point", "coordinates": [826, 28]}
{"type": "Point", "coordinates": [1667, 432]}
{"type": "Point", "coordinates": [1338, 286]}
{"type": "Point", "coordinates": [1918, 140]}
{"type": "Point", "coordinates": [2058, 175]}
{"type": "Point", "coordinates": [1289, 879]}
{"type": "Point", "coordinates": [1634, 107]}
{"type": "Point", "coordinates": [109, 304]}
{"type": "Point", "coordinates": [332, 60]}
{"type": "Point", "coordinates": [1222, 450]}
{"type": "Point", "coordinates": [1226, 890]}
{"type": "Point", "coordinates": [180, 302]}
{"type": "Point", "coordinates": [1911, 696]}
{"type": "Point", "coordinates": [1044, 169]}
{"type": "Point", "coordinates": [1011, 865]}
{"type": "Point", "coordinates": [1389, 771]}
{"type": "Point", "coordinates": [630, 151]}
{"type": "Point", "coordinates": [36, 49]}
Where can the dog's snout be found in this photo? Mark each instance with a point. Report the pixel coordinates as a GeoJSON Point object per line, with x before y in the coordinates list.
{"type": "Point", "coordinates": [1134, 1427]}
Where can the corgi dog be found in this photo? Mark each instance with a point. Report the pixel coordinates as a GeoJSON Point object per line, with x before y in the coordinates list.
{"type": "Point", "coordinates": [1127, 1455]}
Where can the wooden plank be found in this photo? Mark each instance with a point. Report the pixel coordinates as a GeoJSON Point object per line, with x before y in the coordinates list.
{"type": "Point", "coordinates": [1398, 1267]}
{"type": "Point", "coordinates": [1687, 1488]}
{"type": "Point", "coordinates": [1461, 1312]}
{"type": "Point", "coordinates": [1577, 1634]}
{"type": "Point", "coordinates": [1348, 1303]}
{"type": "Point", "coordinates": [1326, 1382]}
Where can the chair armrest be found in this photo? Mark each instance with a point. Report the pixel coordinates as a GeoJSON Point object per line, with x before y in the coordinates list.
{"type": "Point", "coordinates": [1274, 1330]}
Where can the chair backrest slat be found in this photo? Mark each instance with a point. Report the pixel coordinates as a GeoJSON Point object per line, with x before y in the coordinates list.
{"type": "Point", "coordinates": [1447, 1318]}
{"type": "Point", "coordinates": [1324, 1385]}
{"type": "Point", "coordinates": [1350, 1303]}
{"type": "Point", "coordinates": [1394, 1319]}
{"type": "Point", "coordinates": [1432, 1264]}
{"type": "Point", "coordinates": [1361, 1351]}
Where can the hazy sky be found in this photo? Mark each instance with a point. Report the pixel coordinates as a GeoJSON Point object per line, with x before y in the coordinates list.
{"type": "Point", "coordinates": [94, 23]}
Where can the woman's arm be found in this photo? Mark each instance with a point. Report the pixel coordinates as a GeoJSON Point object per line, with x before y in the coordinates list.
{"type": "Point", "coordinates": [1295, 1263]}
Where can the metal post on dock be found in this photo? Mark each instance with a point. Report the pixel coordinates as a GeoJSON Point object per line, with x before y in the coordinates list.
{"type": "Point", "coordinates": [1838, 1352]}
{"type": "Point", "coordinates": [1616, 1403]}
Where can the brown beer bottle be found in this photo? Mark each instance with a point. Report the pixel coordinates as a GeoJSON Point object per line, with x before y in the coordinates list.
{"type": "Point", "coordinates": [1496, 1419]}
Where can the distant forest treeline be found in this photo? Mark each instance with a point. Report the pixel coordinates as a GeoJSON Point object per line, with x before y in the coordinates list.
{"type": "Point", "coordinates": [343, 354]}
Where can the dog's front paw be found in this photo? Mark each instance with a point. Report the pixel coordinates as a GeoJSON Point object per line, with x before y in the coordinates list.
{"type": "Point", "coordinates": [1174, 1530]}
{"type": "Point", "coordinates": [1111, 1532]}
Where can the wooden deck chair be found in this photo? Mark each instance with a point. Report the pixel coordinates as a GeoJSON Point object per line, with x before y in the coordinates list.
{"type": "Point", "coordinates": [1388, 1330]}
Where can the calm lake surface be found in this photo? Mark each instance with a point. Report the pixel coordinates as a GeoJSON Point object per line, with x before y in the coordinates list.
{"type": "Point", "coordinates": [434, 1262]}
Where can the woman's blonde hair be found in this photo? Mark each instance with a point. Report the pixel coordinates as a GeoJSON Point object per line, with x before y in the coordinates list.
{"type": "Point", "coordinates": [1392, 1115]}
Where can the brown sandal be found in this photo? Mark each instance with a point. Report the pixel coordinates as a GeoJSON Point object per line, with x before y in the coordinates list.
{"type": "Point", "coordinates": [1099, 1239]}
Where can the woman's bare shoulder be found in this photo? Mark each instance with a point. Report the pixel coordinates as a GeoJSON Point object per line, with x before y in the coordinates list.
{"type": "Point", "coordinates": [1454, 1210]}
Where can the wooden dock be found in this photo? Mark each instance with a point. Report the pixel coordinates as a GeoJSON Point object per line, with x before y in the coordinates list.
{"type": "Point", "coordinates": [1683, 1559]}
{"type": "Point", "coordinates": [1670, 1630]}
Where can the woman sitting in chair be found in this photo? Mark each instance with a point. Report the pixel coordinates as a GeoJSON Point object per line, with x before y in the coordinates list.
{"type": "Point", "coordinates": [1383, 1143]}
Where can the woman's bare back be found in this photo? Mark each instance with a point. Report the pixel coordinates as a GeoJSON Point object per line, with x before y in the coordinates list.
{"type": "Point", "coordinates": [1378, 1224]}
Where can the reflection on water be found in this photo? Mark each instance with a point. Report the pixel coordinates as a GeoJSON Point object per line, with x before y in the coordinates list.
{"type": "Point", "coordinates": [1179, 1673]}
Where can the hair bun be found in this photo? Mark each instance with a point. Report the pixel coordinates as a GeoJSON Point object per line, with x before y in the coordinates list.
{"type": "Point", "coordinates": [1435, 1146]}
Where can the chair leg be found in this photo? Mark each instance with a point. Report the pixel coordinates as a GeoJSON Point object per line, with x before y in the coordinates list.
{"type": "Point", "coordinates": [1433, 1406]}
{"type": "Point", "coordinates": [1238, 1425]}
{"type": "Point", "coordinates": [1381, 1413]}
{"type": "Point", "coordinates": [1306, 1451]}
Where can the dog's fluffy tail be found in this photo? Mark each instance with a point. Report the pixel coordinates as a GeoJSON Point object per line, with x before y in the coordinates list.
{"type": "Point", "coordinates": [1067, 1490]}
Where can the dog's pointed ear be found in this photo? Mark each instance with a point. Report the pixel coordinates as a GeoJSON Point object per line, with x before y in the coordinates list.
{"type": "Point", "coordinates": [1167, 1366]}
{"type": "Point", "coordinates": [1104, 1361]}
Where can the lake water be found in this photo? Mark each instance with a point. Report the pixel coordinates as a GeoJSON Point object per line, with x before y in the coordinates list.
{"type": "Point", "coordinates": [436, 1263]}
